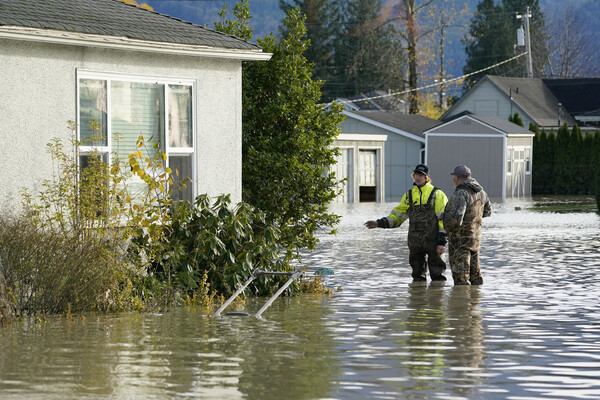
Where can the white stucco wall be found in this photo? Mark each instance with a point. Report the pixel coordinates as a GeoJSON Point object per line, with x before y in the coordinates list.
{"type": "Point", "coordinates": [38, 87]}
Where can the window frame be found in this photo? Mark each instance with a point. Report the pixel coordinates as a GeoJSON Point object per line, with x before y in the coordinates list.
{"type": "Point", "coordinates": [108, 77]}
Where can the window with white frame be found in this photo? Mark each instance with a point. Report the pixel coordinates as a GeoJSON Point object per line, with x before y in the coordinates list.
{"type": "Point", "coordinates": [124, 108]}
{"type": "Point", "coordinates": [527, 160]}
{"type": "Point", "coordinates": [509, 160]}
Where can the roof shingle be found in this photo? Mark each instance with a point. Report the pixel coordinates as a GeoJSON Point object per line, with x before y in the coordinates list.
{"type": "Point", "coordinates": [113, 18]}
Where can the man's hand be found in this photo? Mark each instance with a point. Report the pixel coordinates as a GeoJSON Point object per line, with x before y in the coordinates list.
{"type": "Point", "coordinates": [440, 215]}
{"type": "Point", "coordinates": [371, 224]}
{"type": "Point", "coordinates": [441, 250]}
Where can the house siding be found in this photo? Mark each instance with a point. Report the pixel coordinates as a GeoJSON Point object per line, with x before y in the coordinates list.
{"type": "Point", "coordinates": [479, 99]}
{"type": "Point", "coordinates": [38, 84]}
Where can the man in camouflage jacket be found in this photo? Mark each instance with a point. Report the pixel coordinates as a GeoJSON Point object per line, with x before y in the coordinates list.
{"type": "Point", "coordinates": [463, 219]}
{"type": "Point", "coordinates": [426, 234]}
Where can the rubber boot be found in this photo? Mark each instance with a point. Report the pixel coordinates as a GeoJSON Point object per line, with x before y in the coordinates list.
{"type": "Point", "coordinates": [461, 279]}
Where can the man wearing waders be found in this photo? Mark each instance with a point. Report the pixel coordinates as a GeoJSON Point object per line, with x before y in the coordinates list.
{"type": "Point", "coordinates": [462, 219]}
{"type": "Point", "coordinates": [426, 234]}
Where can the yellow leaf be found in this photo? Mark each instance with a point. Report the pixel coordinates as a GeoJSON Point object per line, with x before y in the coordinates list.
{"type": "Point", "coordinates": [168, 171]}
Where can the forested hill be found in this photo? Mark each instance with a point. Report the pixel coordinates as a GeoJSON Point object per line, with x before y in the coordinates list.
{"type": "Point", "coordinates": [267, 15]}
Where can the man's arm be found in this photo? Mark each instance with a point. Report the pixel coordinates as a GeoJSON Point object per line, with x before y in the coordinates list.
{"type": "Point", "coordinates": [455, 210]}
{"type": "Point", "coordinates": [394, 220]}
{"type": "Point", "coordinates": [487, 207]}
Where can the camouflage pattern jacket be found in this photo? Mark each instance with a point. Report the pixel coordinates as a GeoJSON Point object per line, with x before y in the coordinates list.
{"type": "Point", "coordinates": [465, 210]}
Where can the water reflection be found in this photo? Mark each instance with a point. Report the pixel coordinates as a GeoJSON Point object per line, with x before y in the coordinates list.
{"type": "Point", "coordinates": [532, 331]}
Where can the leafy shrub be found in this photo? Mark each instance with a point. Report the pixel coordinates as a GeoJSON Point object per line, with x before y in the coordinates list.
{"type": "Point", "coordinates": [49, 272]}
{"type": "Point", "coordinates": [224, 243]}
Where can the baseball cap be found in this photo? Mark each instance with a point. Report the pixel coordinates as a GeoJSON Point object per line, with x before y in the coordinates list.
{"type": "Point", "coordinates": [461, 171]}
{"type": "Point", "coordinates": [422, 168]}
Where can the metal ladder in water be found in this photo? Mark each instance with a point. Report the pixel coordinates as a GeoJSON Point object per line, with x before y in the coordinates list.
{"type": "Point", "coordinates": [255, 274]}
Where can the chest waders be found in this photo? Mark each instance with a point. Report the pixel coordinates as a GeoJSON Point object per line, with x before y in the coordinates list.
{"type": "Point", "coordinates": [464, 245]}
{"type": "Point", "coordinates": [422, 239]}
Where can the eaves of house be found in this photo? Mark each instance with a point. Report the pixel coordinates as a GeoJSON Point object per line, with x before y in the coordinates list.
{"type": "Point", "coordinates": [114, 24]}
{"type": "Point", "coordinates": [408, 125]}
{"type": "Point", "coordinates": [532, 96]}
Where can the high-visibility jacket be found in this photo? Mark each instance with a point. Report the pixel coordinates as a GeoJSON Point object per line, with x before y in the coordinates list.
{"type": "Point", "coordinates": [420, 196]}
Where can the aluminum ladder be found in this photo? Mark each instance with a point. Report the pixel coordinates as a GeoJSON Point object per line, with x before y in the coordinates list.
{"type": "Point", "coordinates": [255, 274]}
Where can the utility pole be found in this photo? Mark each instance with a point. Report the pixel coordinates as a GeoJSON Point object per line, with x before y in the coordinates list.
{"type": "Point", "coordinates": [526, 17]}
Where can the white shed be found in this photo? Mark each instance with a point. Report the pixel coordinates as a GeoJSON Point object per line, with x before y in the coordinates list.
{"type": "Point", "coordinates": [498, 152]}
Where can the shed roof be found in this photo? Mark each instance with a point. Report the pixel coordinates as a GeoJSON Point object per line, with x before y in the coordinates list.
{"type": "Point", "coordinates": [412, 123]}
{"type": "Point", "coordinates": [113, 18]}
{"type": "Point", "coordinates": [502, 125]}
{"type": "Point", "coordinates": [494, 122]}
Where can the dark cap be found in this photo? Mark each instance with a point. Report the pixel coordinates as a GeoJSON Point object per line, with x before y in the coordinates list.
{"type": "Point", "coordinates": [422, 168]}
{"type": "Point", "coordinates": [462, 171]}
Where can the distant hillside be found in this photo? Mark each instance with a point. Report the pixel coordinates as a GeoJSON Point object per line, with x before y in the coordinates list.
{"type": "Point", "coordinates": [267, 16]}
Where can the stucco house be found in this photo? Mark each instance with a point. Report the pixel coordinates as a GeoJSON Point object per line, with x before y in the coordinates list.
{"type": "Point", "coordinates": [378, 151]}
{"type": "Point", "coordinates": [548, 103]}
{"type": "Point", "coordinates": [498, 152]}
{"type": "Point", "coordinates": [133, 70]}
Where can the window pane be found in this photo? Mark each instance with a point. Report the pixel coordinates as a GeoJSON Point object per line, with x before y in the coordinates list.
{"type": "Point", "coordinates": [180, 116]}
{"type": "Point", "coordinates": [181, 165]}
{"type": "Point", "coordinates": [92, 107]}
{"type": "Point", "coordinates": [137, 109]}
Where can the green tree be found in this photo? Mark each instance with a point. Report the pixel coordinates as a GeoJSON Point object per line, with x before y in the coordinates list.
{"type": "Point", "coordinates": [543, 163]}
{"type": "Point", "coordinates": [288, 138]}
{"type": "Point", "coordinates": [596, 166]}
{"type": "Point", "coordinates": [516, 119]}
{"type": "Point", "coordinates": [368, 53]}
{"type": "Point", "coordinates": [492, 39]}
{"type": "Point", "coordinates": [352, 49]}
{"type": "Point", "coordinates": [563, 161]}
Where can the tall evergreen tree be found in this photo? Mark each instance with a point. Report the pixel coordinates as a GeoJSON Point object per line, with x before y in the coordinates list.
{"type": "Point", "coordinates": [544, 149]}
{"type": "Point", "coordinates": [287, 143]}
{"type": "Point", "coordinates": [537, 30]}
{"type": "Point", "coordinates": [352, 51]}
{"type": "Point", "coordinates": [322, 26]}
{"type": "Point", "coordinates": [368, 54]}
{"type": "Point", "coordinates": [492, 39]}
{"type": "Point", "coordinates": [562, 161]}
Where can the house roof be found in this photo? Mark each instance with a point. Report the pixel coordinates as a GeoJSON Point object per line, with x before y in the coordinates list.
{"type": "Point", "coordinates": [578, 96]}
{"type": "Point", "coordinates": [411, 123]}
{"type": "Point", "coordinates": [533, 97]}
{"type": "Point", "coordinates": [112, 18]}
{"type": "Point", "coordinates": [539, 99]}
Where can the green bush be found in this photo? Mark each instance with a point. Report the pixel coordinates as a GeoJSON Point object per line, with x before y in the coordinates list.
{"type": "Point", "coordinates": [221, 242]}
{"type": "Point", "coordinates": [46, 271]}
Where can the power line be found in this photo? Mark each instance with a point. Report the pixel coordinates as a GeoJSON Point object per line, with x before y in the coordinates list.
{"type": "Point", "coordinates": [433, 84]}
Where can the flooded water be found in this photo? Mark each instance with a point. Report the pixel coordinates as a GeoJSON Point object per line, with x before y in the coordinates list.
{"type": "Point", "coordinates": [532, 331]}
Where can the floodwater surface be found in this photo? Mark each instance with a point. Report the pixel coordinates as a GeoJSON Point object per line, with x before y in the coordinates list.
{"type": "Point", "coordinates": [532, 331]}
